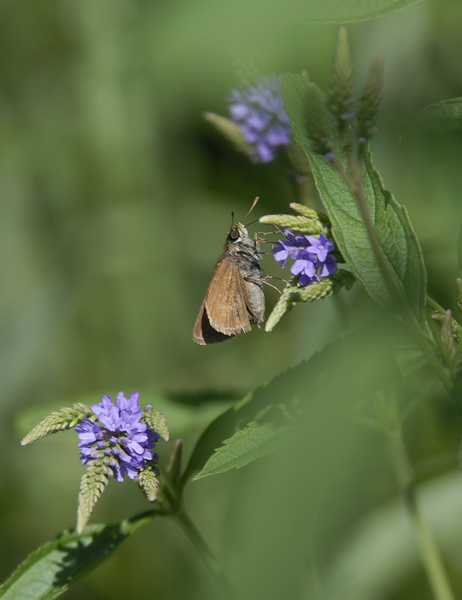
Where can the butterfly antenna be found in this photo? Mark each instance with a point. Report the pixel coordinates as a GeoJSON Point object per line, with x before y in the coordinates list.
{"type": "Point", "coordinates": [252, 207]}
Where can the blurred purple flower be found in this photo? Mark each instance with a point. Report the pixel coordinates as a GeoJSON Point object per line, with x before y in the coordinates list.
{"type": "Point", "coordinates": [259, 111]}
{"type": "Point", "coordinates": [123, 442]}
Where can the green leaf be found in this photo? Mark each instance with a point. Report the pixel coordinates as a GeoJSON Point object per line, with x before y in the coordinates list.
{"type": "Point", "coordinates": [459, 249]}
{"type": "Point", "coordinates": [437, 117]}
{"type": "Point", "coordinates": [257, 424]}
{"type": "Point", "coordinates": [409, 358]}
{"type": "Point", "coordinates": [49, 571]}
{"type": "Point", "coordinates": [248, 444]}
{"type": "Point", "coordinates": [341, 11]}
{"type": "Point", "coordinates": [390, 219]}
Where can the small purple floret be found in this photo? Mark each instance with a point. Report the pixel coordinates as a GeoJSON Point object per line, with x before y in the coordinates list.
{"type": "Point", "coordinates": [320, 246]}
{"type": "Point", "coordinates": [259, 111]}
{"type": "Point", "coordinates": [127, 441]}
{"type": "Point", "coordinates": [311, 256]}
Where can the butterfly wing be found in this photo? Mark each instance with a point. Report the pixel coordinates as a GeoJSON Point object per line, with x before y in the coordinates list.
{"type": "Point", "coordinates": [204, 333]}
{"type": "Point", "coordinates": [225, 301]}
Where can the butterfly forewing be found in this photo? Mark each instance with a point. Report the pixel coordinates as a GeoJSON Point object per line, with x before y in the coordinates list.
{"type": "Point", "coordinates": [225, 301]}
{"type": "Point", "coordinates": [235, 297]}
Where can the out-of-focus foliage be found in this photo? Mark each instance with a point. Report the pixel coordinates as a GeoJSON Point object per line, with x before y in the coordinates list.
{"type": "Point", "coordinates": [115, 199]}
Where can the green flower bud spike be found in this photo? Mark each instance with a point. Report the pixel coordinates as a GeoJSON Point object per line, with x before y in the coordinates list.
{"type": "Point", "coordinates": [310, 222]}
{"type": "Point", "coordinates": [231, 131]}
{"type": "Point", "coordinates": [340, 92]}
{"type": "Point", "coordinates": [317, 125]}
{"type": "Point", "coordinates": [156, 421]}
{"type": "Point", "coordinates": [316, 291]}
{"type": "Point", "coordinates": [369, 104]}
{"type": "Point", "coordinates": [92, 485]}
{"type": "Point", "coordinates": [459, 294]}
{"type": "Point", "coordinates": [447, 334]}
{"type": "Point", "coordinates": [66, 418]}
{"type": "Point", "coordinates": [148, 482]}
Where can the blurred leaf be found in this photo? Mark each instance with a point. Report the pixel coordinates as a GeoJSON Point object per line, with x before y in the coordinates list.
{"type": "Point", "coordinates": [182, 418]}
{"type": "Point", "coordinates": [51, 569]}
{"type": "Point", "coordinates": [281, 400]}
{"type": "Point", "coordinates": [438, 117]}
{"type": "Point", "coordinates": [409, 358]}
{"type": "Point", "coordinates": [391, 221]}
{"type": "Point", "coordinates": [382, 551]}
{"type": "Point", "coordinates": [336, 11]}
{"type": "Point", "coordinates": [248, 444]}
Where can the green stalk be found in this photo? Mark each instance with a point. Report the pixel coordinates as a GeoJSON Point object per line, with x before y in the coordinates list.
{"type": "Point", "coordinates": [389, 276]}
{"type": "Point", "coordinates": [429, 553]}
{"type": "Point", "coordinates": [206, 554]}
{"type": "Point", "coordinates": [175, 510]}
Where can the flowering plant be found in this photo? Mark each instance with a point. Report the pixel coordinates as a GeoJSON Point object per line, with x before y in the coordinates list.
{"type": "Point", "coordinates": [122, 445]}
{"type": "Point", "coordinates": [309, 413]}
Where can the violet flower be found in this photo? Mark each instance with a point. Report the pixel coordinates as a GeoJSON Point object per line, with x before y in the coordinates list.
{"type": "Point", "coordinates": [259, 111]}
{"type": "Point", "coordinates": [123, 439]}
{"type": "Point", "coordinates": [311, 255]}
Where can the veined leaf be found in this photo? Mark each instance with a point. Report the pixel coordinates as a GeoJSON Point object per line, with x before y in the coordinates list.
{"type": "Point", "coordinates": [391, 221]}
{"type": "Point", "coordinates": [248, 444]}
{"type": "Point", "coordinates": [257, 424]}
{"type": "Point", "coordinates": [438, 117]}
{"type": "Point", "coordinates": [51, 569]}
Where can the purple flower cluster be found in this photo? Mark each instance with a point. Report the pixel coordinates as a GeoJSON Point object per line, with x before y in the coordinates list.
{"type": "Point", "coordinates": [259, 111]}
{"type": "Point", "coordinates": [311, 255]}
{"type": "Point", "coordinates": [123, 442]}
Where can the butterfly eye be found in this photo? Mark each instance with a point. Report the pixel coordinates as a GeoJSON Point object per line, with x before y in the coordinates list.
{"type": "Point", "coordinates": [233, 235]}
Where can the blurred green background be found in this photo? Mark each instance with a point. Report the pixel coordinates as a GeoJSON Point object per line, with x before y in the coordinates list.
{"type": "Point", "coordinates": [115, 200]}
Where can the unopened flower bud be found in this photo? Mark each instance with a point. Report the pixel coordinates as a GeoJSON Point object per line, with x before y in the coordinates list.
{"type": "Point", "coordinates": [340, 94]}
{"type": "Point", "coordinates": [368, 110]}
{"type": "Point", "coordinates": [318, 128]}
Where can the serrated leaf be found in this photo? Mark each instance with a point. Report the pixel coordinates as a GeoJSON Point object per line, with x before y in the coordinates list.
{"type": "Point", "coordinates": [287, 394]}
{"type": "Point", "coordinates": [409, 358]}
{"type": "Point", "coordinates": [437, 117]}
{"type": "Point", "coordinates": [390, 219]}
{"type": "Point", "coordinates": [49, 571]}
{"type": "Point", "coordinates": [248, 444]}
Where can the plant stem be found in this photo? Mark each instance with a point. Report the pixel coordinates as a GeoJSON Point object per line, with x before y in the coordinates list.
{"type": "Point", "coordinates": [393, 285]}
{"type": "Point", "coordinates": [207, 555]}
{"type": "Point", "coordinates": [429, 553]}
